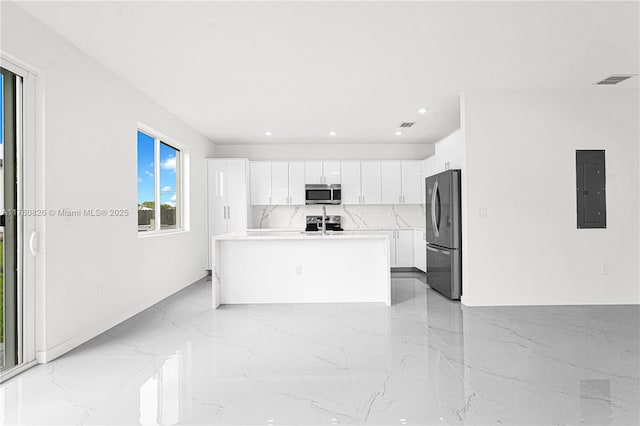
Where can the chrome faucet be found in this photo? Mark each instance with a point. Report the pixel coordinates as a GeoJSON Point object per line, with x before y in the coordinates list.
{"type": "Point", "coordinates": [324, 220]}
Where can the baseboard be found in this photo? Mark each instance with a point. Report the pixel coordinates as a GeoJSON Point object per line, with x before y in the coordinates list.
{"type": "Point", "coordinates": [43, 357]}
{"type": "Point", "coordinates": [407, 269]}
{"type": "Point", "coordinates": [471, 303]}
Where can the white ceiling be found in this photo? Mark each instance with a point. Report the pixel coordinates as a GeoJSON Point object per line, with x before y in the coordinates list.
{"type": "Point", "coordinates": [234, 70]}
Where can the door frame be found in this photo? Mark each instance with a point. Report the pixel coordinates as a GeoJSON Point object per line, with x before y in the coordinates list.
{"type": "Point", "coordinates": [30, 177]}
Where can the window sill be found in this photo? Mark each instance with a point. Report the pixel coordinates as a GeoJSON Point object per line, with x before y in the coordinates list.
{"type": "Point", "coordinates": [151, 234]}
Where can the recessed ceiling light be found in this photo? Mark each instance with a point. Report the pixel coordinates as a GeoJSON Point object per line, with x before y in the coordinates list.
{"type": "Point", "coordinates": [398, 132]}
{"type": "Point", "coordinates": [422, 111]}
{"type": "Point", "coordinates": [332, 133]}
{"type": "Point", "coordinates": [267, 133]}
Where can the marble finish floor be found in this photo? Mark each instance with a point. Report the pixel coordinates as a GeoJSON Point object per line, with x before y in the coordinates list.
{"type": "Point", "coordinates": [424, 360]}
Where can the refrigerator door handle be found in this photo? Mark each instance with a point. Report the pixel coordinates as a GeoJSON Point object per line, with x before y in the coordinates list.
{"type": "Point", "coordinates": [445, 252]}
{"type": "Point", "coordinates": [433, 209]}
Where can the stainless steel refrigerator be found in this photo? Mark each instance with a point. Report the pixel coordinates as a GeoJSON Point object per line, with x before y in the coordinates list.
{"type": "Point", "coordinates": [444, 236]}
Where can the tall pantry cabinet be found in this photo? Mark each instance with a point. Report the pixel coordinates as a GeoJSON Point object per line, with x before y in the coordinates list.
{"type": "Point", "coordinates": [227, 197]}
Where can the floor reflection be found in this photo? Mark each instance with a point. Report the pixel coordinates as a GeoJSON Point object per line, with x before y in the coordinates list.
{"type": "Point", "coordinates": [424, 360]}
{"type": "Point", "coordinates": [595, 402]}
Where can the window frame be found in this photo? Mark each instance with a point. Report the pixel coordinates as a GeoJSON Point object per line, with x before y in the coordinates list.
{"type": "Point", "coordinates": [181, 186]}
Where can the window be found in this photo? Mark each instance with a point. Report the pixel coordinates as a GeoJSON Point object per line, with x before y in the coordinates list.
{"type": "Point", "coordinates": [159, 203]}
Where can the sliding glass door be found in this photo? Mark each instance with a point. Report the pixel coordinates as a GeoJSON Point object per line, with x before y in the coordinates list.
{"type": "Point", "coordinates": [10, 289]}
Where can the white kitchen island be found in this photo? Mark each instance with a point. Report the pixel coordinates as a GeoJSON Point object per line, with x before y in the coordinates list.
{"type": "Point", "coordinates": [298, 267]}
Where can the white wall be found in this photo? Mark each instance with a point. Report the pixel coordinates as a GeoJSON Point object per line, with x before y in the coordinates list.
{"type": "Point", "coordinates": [520, 167]}
{"type": "Point", "coordinates": [98, 271]}
{"type": "Point", "coordinates": [332, 151]}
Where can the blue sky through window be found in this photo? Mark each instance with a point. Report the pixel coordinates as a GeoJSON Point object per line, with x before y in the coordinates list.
{"type": "Point", "coordinates": [167, 174]}
{"type": "Point", "coordinates": [146, 172]}
{"type": "Point", "coordinates": [145, 168]}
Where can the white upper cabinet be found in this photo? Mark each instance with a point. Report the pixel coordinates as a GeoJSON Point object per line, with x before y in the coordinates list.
{"type": "Point", "coordinates": [411, 182]}
{"type": "Point", "coordinates": [279, 183]}
{"type": "Point", "coordinates": [260, 183]}
{"type": "Point", "coordinates": [351, 189]}
{"type": "Point", "coordinates": [322, 172]}
{"type": "Point", "coordinates": [361, 182]}
{"type": "Point", "coordinates": [449, 154]}
{"type": "Point", "coordinates": [331, 170]}
{"type": "Point", "coordinates": [313, 172]}
{"type": "Point", "coordinates": [371, 191]}
{"type": "Point", "coordinates": [401, 182]}
{"type": "Point", "coordinates": [296, 183]}
{"type": "Point", "coordinates": [391, 182]}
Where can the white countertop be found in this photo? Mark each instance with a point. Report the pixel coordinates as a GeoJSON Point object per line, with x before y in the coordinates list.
{"type": "Point", "coordinates": [298, 235]}
{"type": "Point", "coordinates": [388, 228]}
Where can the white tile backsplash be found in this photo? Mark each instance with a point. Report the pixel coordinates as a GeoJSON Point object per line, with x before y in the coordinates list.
{"type": "Point", "coordinates": [353, 216]}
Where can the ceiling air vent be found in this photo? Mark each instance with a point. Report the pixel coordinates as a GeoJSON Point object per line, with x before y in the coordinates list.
{"type": "Point", "coordinates": [405, 124]}
{"type": "Point", "coordinates": [615, 79]}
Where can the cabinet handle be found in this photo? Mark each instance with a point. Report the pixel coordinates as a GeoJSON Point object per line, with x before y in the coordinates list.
{"type": "Point", "coordinates": [228, 212]}
{"type": "Point", "coordinates": [269, 199]}
{"type": "Point", "coordinates": [403, 199]}
{"type": "Point", "coordinates": [224, 212]}
{"type": "Point", "coordinates": [363, 199]}
{"type": "Point", "coordinates": [400, 199]}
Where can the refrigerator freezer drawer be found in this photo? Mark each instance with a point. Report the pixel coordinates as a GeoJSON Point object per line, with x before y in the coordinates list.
{"type": "Point", "coordinates": [444, 271]}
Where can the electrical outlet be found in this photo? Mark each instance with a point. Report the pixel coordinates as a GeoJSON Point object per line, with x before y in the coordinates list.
{"type": "Point", "coordinates": [604, 270]}
{"type": "Point", "coordinates": [481, 212]}
{"type": "Point", "coordinates": [299, 270]}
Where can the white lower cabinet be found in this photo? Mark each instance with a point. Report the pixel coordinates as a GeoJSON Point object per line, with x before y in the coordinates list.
{"type": "Point", "coordinates": [401, 242]}
{"type": "Point", "coordinates": [404, 248]}
{"type": "Point", "coordinates": [419, 250]}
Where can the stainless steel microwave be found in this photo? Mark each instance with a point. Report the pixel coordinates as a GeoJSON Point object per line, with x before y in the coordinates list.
{"type": "Point", "coordinates": [323, 193]}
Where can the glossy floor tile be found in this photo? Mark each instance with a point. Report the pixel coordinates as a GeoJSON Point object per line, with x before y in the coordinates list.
{"type": "Point", "coordinates": [424, 360]}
